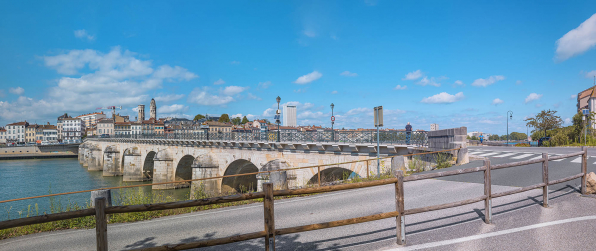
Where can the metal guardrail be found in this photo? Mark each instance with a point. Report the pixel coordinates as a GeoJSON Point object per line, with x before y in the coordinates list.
{"type": "Point", "coordinates": [417, 138]}
{"type": "Point", "coordinates": [100, 210]}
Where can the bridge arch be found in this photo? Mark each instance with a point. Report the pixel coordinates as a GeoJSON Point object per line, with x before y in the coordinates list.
{"type": "Point", "coordinates": [132, 164]}
{"type": "Point", "coordinates": [243, 183]}
{"type": "Point", "coordinates": [184, 171]}
{"type": "Point", "coordinates": [148, 165]}
{"type": "Point", "coordinates": [333, 174]}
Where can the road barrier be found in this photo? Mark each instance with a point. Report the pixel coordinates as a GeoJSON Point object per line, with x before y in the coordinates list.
{"type": "Point", "coordinates": [100, 211]}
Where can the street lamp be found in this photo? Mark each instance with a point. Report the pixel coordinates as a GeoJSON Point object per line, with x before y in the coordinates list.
{"type": "Point", "coordinates": [278, 99]}
{"type": "Point", "coordinates": [509, 116]}
{"type": "Point", "coordinates": [332, 122]}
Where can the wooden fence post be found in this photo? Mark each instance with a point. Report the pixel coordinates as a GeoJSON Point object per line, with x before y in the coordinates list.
{"type": "Point", "coordinates": [487, 191]}
{"type": "Point", "coordinates": [545, 180]}
{"type": "Point", "coordinates": [584, 168]}
{"type": "Point", "coordinates": [269, 217]}
{"type": "Point", "coordinates": [101, 224]}
{"type": "Point", "coordinates": [400, 224]}
{"type": "Point", "coordinates": [319, 173]}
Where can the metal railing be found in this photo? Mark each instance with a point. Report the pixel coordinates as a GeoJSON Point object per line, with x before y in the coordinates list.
{"type": "Point", "coordinates": [100, 210]}
{"type": "Point", "coordinates": [417, 138]}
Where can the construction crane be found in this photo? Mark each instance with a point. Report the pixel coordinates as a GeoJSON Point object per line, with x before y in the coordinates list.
{"type": "Point", "coordinates": [113, 108]}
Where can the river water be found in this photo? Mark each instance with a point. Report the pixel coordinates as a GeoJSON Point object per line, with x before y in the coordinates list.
{"type": "Point", "coordinates": [26, 178]}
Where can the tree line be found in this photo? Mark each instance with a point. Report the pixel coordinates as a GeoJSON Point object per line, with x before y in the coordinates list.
{"type": "Point", "coordinates": [225, 118]}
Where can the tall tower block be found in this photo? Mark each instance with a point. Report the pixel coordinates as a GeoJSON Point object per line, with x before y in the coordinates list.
{"type": "Point", "coordinates": [141, 116]}
{"type": "Point", "coordinates": [153, 110]}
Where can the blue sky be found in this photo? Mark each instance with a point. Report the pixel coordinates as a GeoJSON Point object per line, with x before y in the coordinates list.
{"type": "Point", "coordinates": [455, 63]}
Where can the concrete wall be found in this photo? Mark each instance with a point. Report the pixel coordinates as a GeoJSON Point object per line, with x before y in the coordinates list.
{"type": "Point", "coordinates": [450, 139]}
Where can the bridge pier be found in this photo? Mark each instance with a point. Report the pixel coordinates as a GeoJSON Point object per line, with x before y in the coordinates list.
{"type": "Point", "coordinates": [81, 155]}
{"type": "Point", "coordinates": [133, 165]}
{"type": "Point", "coordinates": [111, 162]}
{"type": "Point", "coordinates": [163, 171]}
{"type": "Point", "coordinates": [95, 160]}
{"type": "Point", "coordinates": [279, 179]}
{"type": "Point", "coordinates": [205, 166]}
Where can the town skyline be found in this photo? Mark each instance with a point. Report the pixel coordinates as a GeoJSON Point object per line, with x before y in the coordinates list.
{"type": "Point", "coordinates": [309, 58]}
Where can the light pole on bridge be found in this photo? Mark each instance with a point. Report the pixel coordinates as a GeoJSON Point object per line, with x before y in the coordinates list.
{"type": "Point", "coordinates": [509, 116]}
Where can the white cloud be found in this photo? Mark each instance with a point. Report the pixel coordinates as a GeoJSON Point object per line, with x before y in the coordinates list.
{"type": "Point", "coordinates": [426, 81]}
{"type": "Point", "coordinates": [83, 34]}
{"type": "Point", "coordinates": [334, 92]}
{"type": "Point", "coordinates": [309, 33]}
{"type": "Point", "coordinates": [233, 90]}
{"type": "Point", "coordinates": [489, 81]}
{"type": "Point", "coordinates": [413, 75]}
{"type": "Point", "coordinates": [399, 87]}
{"type": "Point", "coordinates": [252, 96]}
{"type": "Point", "coordinates": [2, 93]}
{"type": "Point", "coordinates": [17, 91]}
{"type": "Point", "coordinates": [568, 121]}
{"type": "Point", "coordinates": [264, 85]}
{"type": "Point", "coordinates": [103, 79]}
{"type": "Point", "coordinates": [175, 108]}
{"type": "Point", "coordinates": [577, 41]}
{"type": "Point", "coordinates": [532, 97]}
{"type": "Point", "coordinates": [348, 74]}
{"type": "Point", "coordinates": [173, 73]}
{"type": "Point", "coordinates": [360, 110]}
{"type": "Point", "coordinates": [239, 115]}
{"type": "Point", "coordinates": [201, 96]}
{"type": "Point", "coordinates": [519, 82]}
{"type": "Point", "coordinates": [458, 83]}
{"type": "Point", "coordinates": [235, 62]}
{"type": "Point", "coordinates": [169, 97]}
{"type": "Point", "coordinates": [443, 98]}
{"type": "Point", "coordinates": [573, 96]}
{"type": "Point", "coordinates": [219, 82]}
{"type": "Point", "coordinates": [308, 78]}
{"type": "Point", "coordinates": [488, 121]}
{"type": "Point", "coordinates": [497, 101]}
{"type": "Point", "coordinates": [300, 90]}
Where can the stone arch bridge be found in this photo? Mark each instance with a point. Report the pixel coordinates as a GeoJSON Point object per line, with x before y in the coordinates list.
{"type": "Point", "coordinates": [166, 160]}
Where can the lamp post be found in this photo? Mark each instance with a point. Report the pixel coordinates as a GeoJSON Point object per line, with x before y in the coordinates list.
{"type": "Point", "coordinates": [332, 122]}
{"type": "Point", "coordinates": [509, 116]}
{"type": "Point", "coordinates": [278, 99]}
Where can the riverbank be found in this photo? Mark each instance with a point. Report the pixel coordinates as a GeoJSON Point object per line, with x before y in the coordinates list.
{"type": "Point", "coordinates": [38, 156]}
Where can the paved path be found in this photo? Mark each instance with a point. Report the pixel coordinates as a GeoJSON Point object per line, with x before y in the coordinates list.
{"type": "Point", "coordinates": [519, 221]}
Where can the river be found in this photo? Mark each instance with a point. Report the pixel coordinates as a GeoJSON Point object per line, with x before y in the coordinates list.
{"type": "Point", "coordinates": [26, 178]}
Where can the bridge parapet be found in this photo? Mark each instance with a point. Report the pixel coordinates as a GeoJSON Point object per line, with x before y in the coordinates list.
{"type": "Point", "coordinates": [450, 139]}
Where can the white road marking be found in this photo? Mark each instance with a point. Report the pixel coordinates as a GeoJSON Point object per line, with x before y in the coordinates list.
{"type": "Point", "coordinates": [493, 234]}
{"type": "Point", "coordinates": [523, 156]}
{"type": "Point", "coordinates": [488, 154]}
{"type": "Point", "coordinates": [577, 160]}
{"type": "Point", "coordinates": [477, 152]}
{"type": "Point", "coordinates": [504, 155]}
{"type": "Point", "coordinates": [559, 159]}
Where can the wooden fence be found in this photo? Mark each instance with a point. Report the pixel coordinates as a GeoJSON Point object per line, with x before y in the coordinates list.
{"type": "Point", "coordinates": [269, 233]}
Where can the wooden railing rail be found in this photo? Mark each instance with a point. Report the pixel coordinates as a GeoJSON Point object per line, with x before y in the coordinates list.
{"type": "Point", "coordinates": [268, 194]}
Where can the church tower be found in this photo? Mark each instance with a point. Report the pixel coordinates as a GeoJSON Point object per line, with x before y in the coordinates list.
{"type": "Point", "coordinates": [141, 116]}
{"type": "Point", "coordinates": [153, 110]}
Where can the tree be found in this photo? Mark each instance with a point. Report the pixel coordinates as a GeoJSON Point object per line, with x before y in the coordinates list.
{"type": "Point", "coordinates": [474, 138]}
{"type": "Point", "coordinates": [517, 136]}
{"type": "Point", "coordinates": [224, 118]}
{"type": "Point", "coordinates": [236, 121]}
{"type": "Point", "coordinates": [577, 127]}
{"type": "Point", "coordinates": [544, 121]}
{"type": "Point", "coordinates": [244, 120]}
{"type": "Point", "coordinates": [493, 137]}
{"type": "Point", "coordinates": [198, 117]}
{"type": "Point", "coordinates": [266, 121]}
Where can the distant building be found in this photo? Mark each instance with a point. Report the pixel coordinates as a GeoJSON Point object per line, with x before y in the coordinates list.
{"type": "Point", "coordinates": [50, 133]}
{"type": "Point", "coordinates": [91, 118]}
{"type": "Point", "coordinates": [141, 115]}
{"type": "Point", "coordinates": [72, 129]}
{"type": "Point", "coordinates": [16, 131]}
{"type": "Point", "coordinates": [105, 126]}
{"type": "Point", "coordinates": [289, 115]}
{"type": "Point", "coordinates": [2, 135]}
{"type": "Point", "coordinates": [434, 127]}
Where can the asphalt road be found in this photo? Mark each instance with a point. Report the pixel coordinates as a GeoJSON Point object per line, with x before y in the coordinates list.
{"type": "Point", "coordinates": [519, 221]}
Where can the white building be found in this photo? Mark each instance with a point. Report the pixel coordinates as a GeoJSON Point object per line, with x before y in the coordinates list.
{"type": "Point", "coordinates": [91, 118]}
{"type": "Point", "coordinates": [3, 136]}
{"type": "Point", "coordinates": [50, 134]}
{"type": "Point", "coordinates": [72, 129]}
{"type": "Point", "coordinates": [136, 128]}
{"type": "Point", "coordinates": [16, 131]}
{"type": "Point", "coordinates": [289, 115]}
{"type": "Point", "coordinates": [434, 127]}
